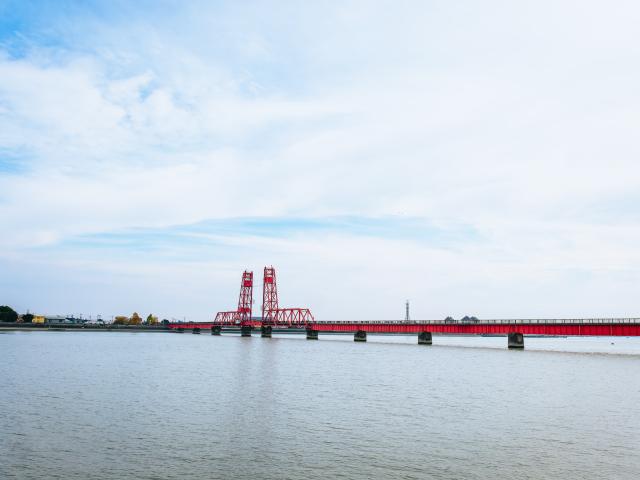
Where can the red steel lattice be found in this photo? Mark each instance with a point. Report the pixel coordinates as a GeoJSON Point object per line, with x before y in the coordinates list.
{"type": "Point", "coordinates": [272, 314]}
{"type": "Point", "coordinates": [269, 295]}
{"type": "Point", "coordinates": [241, 316]}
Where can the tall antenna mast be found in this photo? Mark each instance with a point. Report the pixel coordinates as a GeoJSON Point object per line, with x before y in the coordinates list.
{"type": "Point", "coordinates": [406, 315]}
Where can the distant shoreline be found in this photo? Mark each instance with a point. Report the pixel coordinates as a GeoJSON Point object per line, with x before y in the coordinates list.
{"type": "Point", "coordinates": [8, 326]}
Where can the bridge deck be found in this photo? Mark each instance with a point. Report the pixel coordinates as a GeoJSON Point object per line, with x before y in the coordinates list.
{"type": "Point", "coordinates": [569, 327]}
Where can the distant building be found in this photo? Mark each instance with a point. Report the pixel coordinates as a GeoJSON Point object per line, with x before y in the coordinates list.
{"type": "Point", "coordinates": [60, 319]}
{"type": "Point", "coordinates": [38, 319]}
{"type": "Point", "coordinates": [54, 319]}
{"type": "Point", "coordinates": [80, 321]}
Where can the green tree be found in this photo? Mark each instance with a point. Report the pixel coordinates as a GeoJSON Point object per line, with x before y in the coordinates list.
{"type": "Point", "coordinates": [7, 314]}
{"type": "Point", "coordinates": [27, 318]}
{"type": "Point", "coordinates": [151, 320]}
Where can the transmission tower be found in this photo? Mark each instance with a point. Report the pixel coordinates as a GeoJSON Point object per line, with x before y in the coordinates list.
{"type": "Point", "coordinates": [406, 315]}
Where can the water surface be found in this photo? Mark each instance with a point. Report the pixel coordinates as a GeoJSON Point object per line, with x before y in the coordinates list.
{"type": "Point", "coordinates": [141, 405]}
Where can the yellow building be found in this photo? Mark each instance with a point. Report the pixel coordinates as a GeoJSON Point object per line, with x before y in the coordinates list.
{"type": "Point", "coordinates": [38, 319]}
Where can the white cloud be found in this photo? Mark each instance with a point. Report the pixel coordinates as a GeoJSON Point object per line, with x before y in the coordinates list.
{"type": "Point", "coordinates": [518, 121]}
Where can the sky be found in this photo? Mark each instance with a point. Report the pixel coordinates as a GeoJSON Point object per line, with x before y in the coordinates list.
{"type": "Point", "coordinates": [475, 158]}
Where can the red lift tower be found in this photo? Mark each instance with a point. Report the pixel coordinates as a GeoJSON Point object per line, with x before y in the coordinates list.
{"type": "Point", "coordinates": [269, 296]}
{"type": "Point", "coordinates": [272, 314]}
{"type": "Point", "coordinates": [241, 316]}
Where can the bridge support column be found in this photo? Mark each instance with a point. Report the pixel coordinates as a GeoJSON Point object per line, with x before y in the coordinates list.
{"type": "Point", "coordinates": [360, 336]}
{"type": "Point", "coordinates": [515, 340]}
{"type": "Point", "coordinates": [245, 330]}
{"type": "Point", "coordinates": [265, 331]}
{"type": "Point", "coordinates": [312, 334]}
{"type": "Point", "coordinates": [424, 338]}
{"type": "Point", "coordinates": [216, 330]}
{"type": "Point", "coordinates": [196, 330]}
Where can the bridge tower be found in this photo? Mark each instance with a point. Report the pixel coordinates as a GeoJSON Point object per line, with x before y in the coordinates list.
{"type": "Point", "coordinates": [245, 300]}
{"type": "Point", "coordinates": [269, 296]}
{"type": "Point", "coordinates": [272, 314]}
{"type": "Point", "coordinates": [242, 315]}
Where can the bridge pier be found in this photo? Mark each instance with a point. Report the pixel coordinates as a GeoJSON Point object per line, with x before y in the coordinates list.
{"type": "Point", "coordinates": [312, 334]}
{"type": "Point", "coordinates": [196, 330]}
{"type": "Point", "coordinates": [360, 336]}
{"type": "Point", "coordinates": [245, 330]}
{"type": "Point", "coordinates": [265, 331]}
{"type": "Point", "coordinates": [424, 338]}
{"type": "Point", "coordinates": [515, 340]}
{"type": "Point", "coordinates": [216, 330]}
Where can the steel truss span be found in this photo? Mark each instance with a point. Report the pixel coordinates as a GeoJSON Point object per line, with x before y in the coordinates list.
{"type": "Point", "coordinates": [290, 317]}
{"type": "Point", "coordinates": [272, 314]}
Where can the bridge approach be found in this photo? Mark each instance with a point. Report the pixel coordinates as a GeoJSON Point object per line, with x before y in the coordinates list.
{"type": "Point", "coordinates": [514, 329]}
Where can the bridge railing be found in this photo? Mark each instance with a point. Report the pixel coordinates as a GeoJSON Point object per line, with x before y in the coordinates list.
{"type": "Point", "coordinates": [505, 321]}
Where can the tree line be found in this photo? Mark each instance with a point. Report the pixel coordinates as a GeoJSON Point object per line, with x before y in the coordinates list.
{"type": "Point", "coordinates": [8, 314]}
{"type": "Point", "coordinates": [135, 319]}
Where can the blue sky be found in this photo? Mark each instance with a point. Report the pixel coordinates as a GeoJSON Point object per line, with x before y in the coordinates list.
{"type": "Point", "coordinates": [475, 158]}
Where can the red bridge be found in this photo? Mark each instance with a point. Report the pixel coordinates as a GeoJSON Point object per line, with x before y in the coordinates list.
{"type": "Point", "coordinates": [300, 320]}
{"type": "Point", "coordinates": [272, 315]}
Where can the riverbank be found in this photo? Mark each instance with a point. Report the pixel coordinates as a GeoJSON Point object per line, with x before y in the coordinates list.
{"type": "Point", "coordinates": [7, 326]}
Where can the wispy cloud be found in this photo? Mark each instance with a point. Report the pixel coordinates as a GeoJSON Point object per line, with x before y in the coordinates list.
{"type": "Point", "coordinates": [479, 159]}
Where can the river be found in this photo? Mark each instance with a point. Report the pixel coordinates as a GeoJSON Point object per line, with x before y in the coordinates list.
{"type": "Point", "coordinates": [98, 405]}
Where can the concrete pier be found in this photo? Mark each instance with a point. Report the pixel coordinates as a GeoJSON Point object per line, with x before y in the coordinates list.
{"type": "Point", "coordinates": [312, 334]}
{"type": "Point", "coordinates": [424, 338]}
{"type": "Point", "coordinates": [515, 340]}
{"type": "Point", "coordinates": [265, 331]}
{"type": "Point", "coordinates": [216, 330]}
{"type": "Point", "coordinates": [360, 336]}
{"type": "Point", "coordinates": [245, 330]}
{"type": "Point", "coordinates": [196, 331]}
